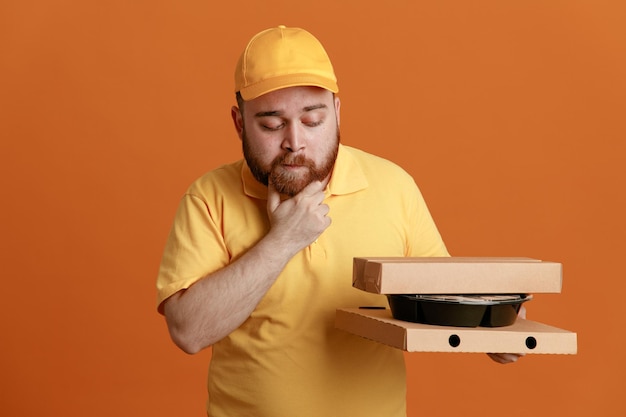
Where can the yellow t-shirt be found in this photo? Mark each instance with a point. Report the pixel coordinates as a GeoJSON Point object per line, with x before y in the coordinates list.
{"type": "Point", "coordinates": [287, 359]}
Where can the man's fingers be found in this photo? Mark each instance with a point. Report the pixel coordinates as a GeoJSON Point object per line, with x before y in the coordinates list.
{"type": "Point", "coordinates": [313, 191]}
{"type": "Point", "coordinates": [505, 358]}
{"type": "Point", "coordinates": [312, 188]}
{"type": "Point", "coordinates": [273, 198]}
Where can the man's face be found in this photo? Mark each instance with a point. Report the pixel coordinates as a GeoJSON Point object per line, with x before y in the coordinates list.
{"type": "Point", "coordinates": [290, 136]}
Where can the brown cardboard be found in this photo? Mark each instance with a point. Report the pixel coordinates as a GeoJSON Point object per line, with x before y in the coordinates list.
{"type": "Point", "coordinates": [524, 336]}
{"type": "Point", "coordinates": [456, 275]}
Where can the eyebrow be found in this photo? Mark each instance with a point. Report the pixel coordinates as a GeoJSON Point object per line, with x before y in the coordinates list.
{"type": "Point", "coordinates": [271, 113]}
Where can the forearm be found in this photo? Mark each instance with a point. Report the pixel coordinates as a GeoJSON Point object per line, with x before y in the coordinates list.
{"type": "Point", "coordinates": [219, 303]}
{"type": "Point", "coordinates": [216, 305]}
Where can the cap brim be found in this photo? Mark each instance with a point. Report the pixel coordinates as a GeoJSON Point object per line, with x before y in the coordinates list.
{"type": "Point", "coordinates": [284, 81]}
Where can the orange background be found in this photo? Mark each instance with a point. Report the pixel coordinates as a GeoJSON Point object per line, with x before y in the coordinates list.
{"type": "Point", "coordinates": [510, 116]}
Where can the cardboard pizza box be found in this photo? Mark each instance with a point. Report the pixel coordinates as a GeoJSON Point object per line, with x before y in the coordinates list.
{"type": "Point", "coordinates": [456, 275]}
{"type": "Point", "coordinates": [524, 336]}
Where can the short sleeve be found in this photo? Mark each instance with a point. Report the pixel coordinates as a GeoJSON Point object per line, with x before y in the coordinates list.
{"type": "Point", "coordinates": [425, 239]}
{"type": "Point", "coordinates": [194, 248]}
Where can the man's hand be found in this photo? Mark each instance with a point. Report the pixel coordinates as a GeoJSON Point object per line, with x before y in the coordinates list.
{"type": "Point", "coordinates": [505, 358]}
{"type": "Point", "coordinates": [298, 221]}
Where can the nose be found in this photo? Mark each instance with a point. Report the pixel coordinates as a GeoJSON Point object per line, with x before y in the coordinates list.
{"type": "Point", "coordinates": [294, 139]}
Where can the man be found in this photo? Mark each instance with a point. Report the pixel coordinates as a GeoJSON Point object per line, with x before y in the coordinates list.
{"type": "Point", "coordinates": [254, 266]}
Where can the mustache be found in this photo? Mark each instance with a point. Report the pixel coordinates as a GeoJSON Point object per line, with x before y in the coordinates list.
{"type": "Point", "coordinates": [290, 159]}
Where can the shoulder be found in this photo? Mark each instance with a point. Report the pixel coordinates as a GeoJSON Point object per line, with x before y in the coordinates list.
{"type": "Point", "coordinates": [376, 167]}
{"type": "Point", "coordinates": [223, 178]}
{"type": "Point", "coordinates": [226, 172]}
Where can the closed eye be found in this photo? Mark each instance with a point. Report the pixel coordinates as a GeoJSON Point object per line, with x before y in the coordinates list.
{"type": "Point", "coordinates": [273, 128]}
{"type": "Point", "coordinates": [271, 123]}
{"type": "Point", "coordinates": [313, 123]}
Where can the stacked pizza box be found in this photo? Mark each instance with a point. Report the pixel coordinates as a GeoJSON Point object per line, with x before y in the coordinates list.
{"type": "Point", "coordinates": [456, 304]}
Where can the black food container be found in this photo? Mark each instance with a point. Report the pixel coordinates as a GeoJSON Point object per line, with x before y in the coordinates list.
{"type": "Point", "coordinates": [486, 310]}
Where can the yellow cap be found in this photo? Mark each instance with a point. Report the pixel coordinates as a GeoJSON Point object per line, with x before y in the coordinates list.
{"type": "Point", "coordinates": [283, 57]}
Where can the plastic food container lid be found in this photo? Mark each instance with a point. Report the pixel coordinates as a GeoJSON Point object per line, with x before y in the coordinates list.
{"type": "Point", "coordinates": [480, 299]}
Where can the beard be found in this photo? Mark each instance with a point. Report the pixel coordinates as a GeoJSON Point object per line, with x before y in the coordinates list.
{"type": "Point", "coordinates": [287, 182]}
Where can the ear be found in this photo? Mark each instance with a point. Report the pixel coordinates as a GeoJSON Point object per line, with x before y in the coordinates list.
{"type": "Point", "coordinates": [235, 113]}
{"type": "Point", "coordinates": [337, 107]}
